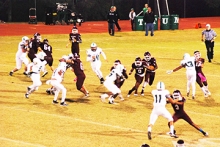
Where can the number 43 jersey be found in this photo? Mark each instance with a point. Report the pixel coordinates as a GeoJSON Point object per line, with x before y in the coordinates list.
{"type": "Point", "coordinates": [160, 97]}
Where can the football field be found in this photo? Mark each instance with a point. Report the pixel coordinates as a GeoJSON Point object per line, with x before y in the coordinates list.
{"type": "Point", "coordinates": [36, 122]}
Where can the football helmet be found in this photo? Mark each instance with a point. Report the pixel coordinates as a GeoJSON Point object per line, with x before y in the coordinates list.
{"type": "Point", "coordinates": [36, 61]}
{"type": "Point", "coordinates": [74, 30]}
{"type": "Point", "coordinates": [147, 56]}
{"type": "Point", "coordinates": [93, 47]}
{"type": "Point", "coordinates": [37, 36]}
{"type": "Point", "coordinates": [197, 54]}
{"type": "Point", "coordinates": [65, 57]}
{"type": "Point", "coordinates": [145, 145]}
{"type": "Point", "coordinates": [138, 61]}
{"type": "Point", "coordinates": [41, 55]}
{"type": "Point", "coordinates": [160, 86]}
{"type": "Point", "coordinates": [177, 95]}
{"type": "Point", "coordinates": [45, 41]}
{"type": "Point", "coordinates": [186, 56]}
{"type": "Point", "coordinates": [25, 39]}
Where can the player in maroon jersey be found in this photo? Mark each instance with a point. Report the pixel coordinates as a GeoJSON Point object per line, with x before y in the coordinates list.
{"type": "Point", "coordinates": [74, 39]}
{"type": "Point", "coordinates": [77, 67]}
{"type": "Point", "coordinates": [179, 112]}
{"type": "Point", "coordinates": [139, 68]}
{"type": "Point", "coordinates": [149, 74]}
{"type": "Point", "coordinates": [47, 49]}
{"type": "Point", "coordinates": [34, 46]}
{"type": "Point", "coordinates": [200, 77]}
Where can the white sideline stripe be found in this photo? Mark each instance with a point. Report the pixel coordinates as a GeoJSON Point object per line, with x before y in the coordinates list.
{"type": "Point", "coordinates": [21, 142]}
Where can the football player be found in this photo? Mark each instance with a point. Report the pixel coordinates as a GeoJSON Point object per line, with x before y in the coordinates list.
{"type": "Point", "coordinates": [200, 77]}
{"type": "Point", "coordinates": [34, 72]}
{"type": "Point", "coordinates": [47, 49]}
{"type": "Point", "coordinates": [34, 46]}
{"type": "Point", "coordinates": [139, 68]}
{"type": "Point", "coordinates": [161, 96]}
{"type": "Point", "coordinates": [110, 85]}
{"type": "Point", "coordinates": [151, 66]}
{"type": "Point", "coordinates": [21, 55]}
{"type": "Point", "coordinates": [188, 63]}
{"type": "Point", "coordinates": [76, 66]}
{"type": "Point", "coordinates": [118, 82]}
{"type": "Point", "coordinates": [74, 39]}
{"type": "Point", "coordinates": [177, 103]}
{"type": "Point", "coordinates": [93, 56]}
{"type": "Point", "coordinates": [56, 81]}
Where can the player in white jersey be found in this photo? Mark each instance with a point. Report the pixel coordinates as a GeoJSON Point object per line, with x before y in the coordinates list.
{"type": "Point", "coordinates": [109, 83]}
{"type": "Point", "coordinates": [161, 96]}
{"type": "Point", "coordinates": [93, 55]}
{"type": "Point", "coordinates": [21, 55]}
{"type": "Point", "coordinates": [188, 63]}
{"type": "Point", "coordinates": [56, 81]}
{"type": "Point", "coordinates": [34, 72]}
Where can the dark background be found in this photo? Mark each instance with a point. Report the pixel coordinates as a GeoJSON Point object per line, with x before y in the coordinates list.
{"type": "Point", "coordinates": [18, 10]}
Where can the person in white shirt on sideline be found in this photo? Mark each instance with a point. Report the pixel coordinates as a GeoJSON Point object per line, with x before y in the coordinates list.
{"type": "Point", "coordinates": [188, 62]}
{"type": "Point", "coordinates": [132, 15]}
{"type": "Point", "coordinates": [93, 56]}
{"type": "Point", "coordinates": [161, 96]}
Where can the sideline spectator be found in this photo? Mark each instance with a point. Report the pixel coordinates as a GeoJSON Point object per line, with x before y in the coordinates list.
{"type": "Point", "coordinates": [149, 20]}
{"type": "Point", "coordinates": [132, 15]}
{"type": "Point", "coordinates": [111, 17]}
{"type": "Point", "coordinates": [117, 18]}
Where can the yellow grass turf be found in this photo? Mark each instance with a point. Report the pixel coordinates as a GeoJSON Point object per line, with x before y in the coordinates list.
{"type": "Point", "coordinates": [36, 122]}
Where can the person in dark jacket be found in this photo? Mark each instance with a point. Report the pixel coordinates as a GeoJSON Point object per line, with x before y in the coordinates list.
{"type": "Point", "coordinates": [117, 18]}
{"type": "Point", "coordinates": [111, 17]}
{"type": "Point", "coordinates": [149, 20]}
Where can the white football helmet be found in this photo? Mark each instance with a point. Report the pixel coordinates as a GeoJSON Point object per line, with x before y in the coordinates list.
{"type": "Point", "coordinates": [41, 55]}
{"type": "Point", "coordinates": [25, 39]}
{"type": "Point", "coordinates": [65, 57]}
{"type": "Point", "coordinates": [160, 86]}
{"type": "Point", "coordinates": [36, 61]}
{"type": "Point", "coordinates": [186, 56]}
{"type": "Point", "coordinates": [93, 46]}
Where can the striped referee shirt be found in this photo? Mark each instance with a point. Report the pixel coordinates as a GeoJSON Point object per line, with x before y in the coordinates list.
{"type": "Point", "coordinates": [209, 34]}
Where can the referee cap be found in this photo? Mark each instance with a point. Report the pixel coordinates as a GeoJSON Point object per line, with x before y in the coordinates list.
{"type": "Point", "coordinates": [208, 25]}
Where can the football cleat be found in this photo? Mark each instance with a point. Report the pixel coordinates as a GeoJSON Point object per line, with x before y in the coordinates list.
{"type": "Point", "coordinates": [128, 95]}
{"type": "Point", "coordinates": [193, 97]}
{"type": "Point", "coordinates": [149, 135]}
{"type": "Point", "coordinates": [206, 134]}
{"type": "Point", "coordinates": [135, 94]}
{"type": "Point", "coordinates": [173, 135]}
{"type": "Point", "coordinates": [11, 73]}
{"type": "Point", "coordinates": [55, 102]}
{"type": "Point", "coordinates": [45, 73]}
{"type": "Point", "coordinates": [142, 92]}
{"type": "Point", "coordinates": [102, 81]}
{"type": "Point", "coordinates": [63, 104]}
{"type": "Point", "coordinates": [26, 95]}
{"type": "Point", "coordinates": [187, 94]}
{"type": "Point", "coordinates": [48, 91]}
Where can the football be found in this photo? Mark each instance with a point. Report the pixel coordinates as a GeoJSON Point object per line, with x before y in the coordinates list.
{"type": "Point", "coordinates": [150, 67]}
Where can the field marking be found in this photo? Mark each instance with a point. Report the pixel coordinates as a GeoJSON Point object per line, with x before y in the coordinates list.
{"type": "Point", "coordinates": [21, 142]}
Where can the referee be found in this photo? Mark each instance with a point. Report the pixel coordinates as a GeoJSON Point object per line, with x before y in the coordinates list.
{"type": "Point", "coordinates": [208, 36]}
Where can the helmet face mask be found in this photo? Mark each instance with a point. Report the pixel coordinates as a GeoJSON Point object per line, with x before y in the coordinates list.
{"type": "Point", "coordinates": [25, 40]}
{"type": "Point", "coordinates": [93, 47]}
{"type": "Point", "coordinates": [46, 41]}
{"type": "Point", "coordinates": [177, 95]}
{"type": "Point", "coordinates": [147, 56]}
{"type": "Point", "coordinates": [74, 30]}
{"type": "Point", "coordinates": [138, 61]}
{"type": "Point", "coordinates": [37, 36]}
